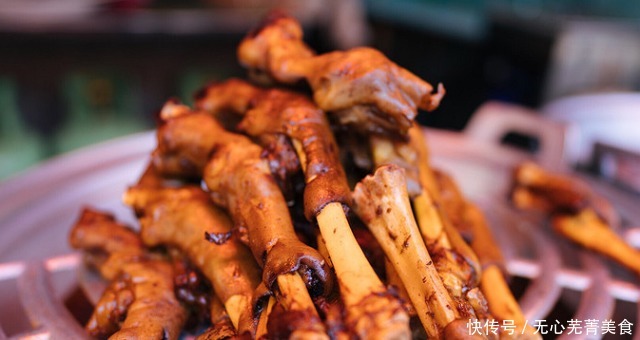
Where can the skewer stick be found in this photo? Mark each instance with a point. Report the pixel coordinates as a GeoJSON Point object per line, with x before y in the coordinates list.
{"type": "Point", "coordinates": [372, 312]}
{"type": "Point", "coordinates": [383, 203]}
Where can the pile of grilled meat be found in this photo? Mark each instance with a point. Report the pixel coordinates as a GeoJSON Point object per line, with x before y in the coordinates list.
{"type": "Point", "coordinates": [298, 204]}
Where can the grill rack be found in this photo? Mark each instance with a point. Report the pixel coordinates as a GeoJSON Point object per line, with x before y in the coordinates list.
{"type": "Point", "coordinates": [41, 283]}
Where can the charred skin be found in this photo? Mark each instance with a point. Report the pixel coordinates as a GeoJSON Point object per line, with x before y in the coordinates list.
{"type": "Point", "coordinates": [293, 324]}
{"type": "Point", "coordinates": [111, 309]}
{"type": "Point", "coordinates": [361, 86]}
{"type": "Point", "coordinates": [283, 162]}
{"type": "Point", "coordinates": [239, 180]}
{"type": "Point", "coordinates": [371, 312]}
{"type": "Point", "coordinates": [536, 189]}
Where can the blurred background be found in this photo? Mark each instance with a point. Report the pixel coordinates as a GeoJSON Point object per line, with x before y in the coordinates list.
{"type": "Point", "coordinates": [76, 72]}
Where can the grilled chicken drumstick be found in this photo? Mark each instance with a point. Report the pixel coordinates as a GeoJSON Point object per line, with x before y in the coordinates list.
{"type": "Point", "coordinates": [140, 301]}
{"type": "Point", "coordinates": [240, 180]}
{"type": "Point", "coordinates": [371, 311]}
{"type": "Point", "coordinates": [575, 212]}
{"type": "Point", "coordinates": [360, 86]}
{"type": "Point", "coordinates": [181, 217]}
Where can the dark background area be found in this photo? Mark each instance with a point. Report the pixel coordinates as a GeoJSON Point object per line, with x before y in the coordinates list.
{"type": "Point", "coordinates": [106, 74]}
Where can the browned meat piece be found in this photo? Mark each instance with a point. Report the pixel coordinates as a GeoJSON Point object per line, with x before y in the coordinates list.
{"type": "Point", "coordinates": [239, 180]}
{"type": "Point", "coordinates": [221, 325]}
{"type": "Point", "coordinates": [557, 193]}
{"type": "Point", "coordinates": [140, 302]}
{"type": "Point", "coordinates": [334, 315]}
{"type": "Point", "coordinates": [536, 189]}
{"type": "Point", "coordinates": [284, 322]}
{"type": "Point", "coordinates": [280, 112]}
{"type": "Point", "coordinates": [589, 230]}
{"type": "Point", "coordinates": [576, 213]}
{"type": "Point", "coordinates": [361, 86]}
{"type": "Point", "coordinates": [145, 289]}
{"type": "Point", "coordinates": [230, 96]}
{"type": "Point", "coordinates": [184, 143]}
{"type": "Point", "coordinates": [107, 243]}
{"type": "Point", "coordinates": [182, 217]}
